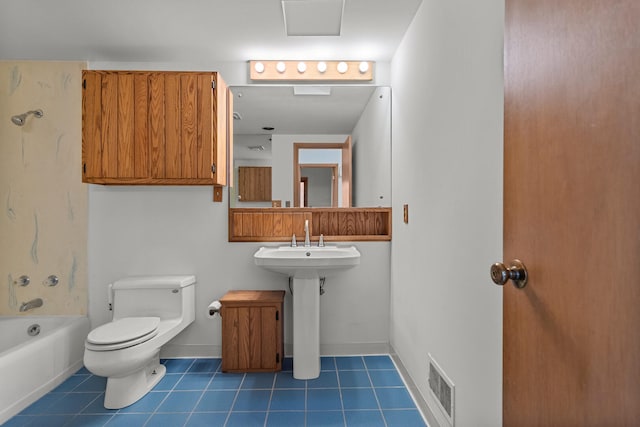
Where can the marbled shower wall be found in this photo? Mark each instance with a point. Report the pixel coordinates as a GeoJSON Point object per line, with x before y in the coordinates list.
{"type": "Point", "coordinates": [43, 202]}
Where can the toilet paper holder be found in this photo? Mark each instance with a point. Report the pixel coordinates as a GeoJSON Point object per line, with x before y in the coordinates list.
{"type": "Point", "coordinates": [213, 308]}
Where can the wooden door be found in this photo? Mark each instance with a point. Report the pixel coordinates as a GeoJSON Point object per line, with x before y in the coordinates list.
{"type": "Point", "coordinates": [572, 213]}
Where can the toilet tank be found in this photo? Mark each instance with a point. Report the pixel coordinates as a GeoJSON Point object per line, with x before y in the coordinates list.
{"type": "Point", "coordinates": [166, 297]}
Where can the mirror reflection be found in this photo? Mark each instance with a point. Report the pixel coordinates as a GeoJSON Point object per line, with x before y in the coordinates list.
{"type": "Point", "coordinates": [311, 146]}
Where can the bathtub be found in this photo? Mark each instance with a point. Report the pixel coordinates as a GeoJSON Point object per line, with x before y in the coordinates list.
{"type": "Point", "coordinates": [32, 366]}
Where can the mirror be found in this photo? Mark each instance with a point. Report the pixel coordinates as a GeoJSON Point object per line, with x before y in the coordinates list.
{"type": "Point", "coordinates": [275, 129]}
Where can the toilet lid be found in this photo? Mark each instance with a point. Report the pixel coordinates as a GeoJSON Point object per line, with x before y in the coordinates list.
{"type": "Point", "coordinates": [124, 330]}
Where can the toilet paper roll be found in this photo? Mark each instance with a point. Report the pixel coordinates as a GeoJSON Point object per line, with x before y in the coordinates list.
{"type": "Point", "coordinates": [213, 308]}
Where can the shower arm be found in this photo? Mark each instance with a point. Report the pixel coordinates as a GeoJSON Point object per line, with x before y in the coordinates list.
{"type": "Point", "coordinates": [19, 119]}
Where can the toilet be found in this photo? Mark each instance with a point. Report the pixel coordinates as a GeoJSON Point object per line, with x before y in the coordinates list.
{"type": "Point", "coordinates": [147, 312]}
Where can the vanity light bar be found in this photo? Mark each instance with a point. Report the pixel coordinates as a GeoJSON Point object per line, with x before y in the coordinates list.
{"type": "Point", "coordinates": [311, 70]}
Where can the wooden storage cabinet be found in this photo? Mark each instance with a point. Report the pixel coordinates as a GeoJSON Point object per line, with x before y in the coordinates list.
{"type": "Point", "coordinates": [254, 184]}
{"type": "Point", "coordinates": [252, 331]}
{"type": "Point", "coordinates": [147, 127]}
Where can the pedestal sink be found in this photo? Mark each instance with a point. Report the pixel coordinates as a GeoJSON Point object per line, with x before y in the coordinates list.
{"type": "Point", "coordinates": [306, 265]}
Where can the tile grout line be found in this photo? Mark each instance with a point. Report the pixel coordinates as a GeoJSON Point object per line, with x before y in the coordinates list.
{"type": "Point", "coordinates": [168, 392]}
{"type": "Point", "coordinates": [266, 418]}
{"type": "Point", "coordinates": [344, 417]}
{"type": "Point", "coordinates": [105, 417]}
{"type": "Point", "coordinates": [235, 398]}
{"type": "Point", "coordinates": [375, 393]}
{"type": "Point", "coordinates": [214, 373]}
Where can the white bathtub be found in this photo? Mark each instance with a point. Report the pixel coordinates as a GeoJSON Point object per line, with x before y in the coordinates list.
{"type": "Point", "coordinates": [31, 366]}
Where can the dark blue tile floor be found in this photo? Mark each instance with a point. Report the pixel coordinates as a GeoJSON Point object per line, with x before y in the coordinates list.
{"type": "Point", "coordinates": [351, 391]}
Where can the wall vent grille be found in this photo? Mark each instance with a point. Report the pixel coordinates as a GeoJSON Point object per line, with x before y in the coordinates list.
{"type": "Point", "coordinates": [442, 389]}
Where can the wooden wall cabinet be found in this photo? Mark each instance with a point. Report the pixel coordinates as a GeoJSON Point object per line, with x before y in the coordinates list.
{"type": "Point", "coordinates": [252, 331]}
{"type": "Point", "coordinates": [148, 127]}
{"type": "Point", "coordinates": [254, 184]}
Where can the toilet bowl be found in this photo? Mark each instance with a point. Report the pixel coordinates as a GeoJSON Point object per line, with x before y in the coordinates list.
{"type": "Point", "coordinates": [147, 313]}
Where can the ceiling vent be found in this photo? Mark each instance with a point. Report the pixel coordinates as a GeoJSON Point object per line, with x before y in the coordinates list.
{"type": "Point", "coordinates": [312, 90]}
{"type": "Point", "coordinates": [313, 17]}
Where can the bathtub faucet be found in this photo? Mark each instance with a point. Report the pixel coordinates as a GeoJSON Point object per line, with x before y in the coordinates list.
{"type": "Point", "coordinates": [34, 303]}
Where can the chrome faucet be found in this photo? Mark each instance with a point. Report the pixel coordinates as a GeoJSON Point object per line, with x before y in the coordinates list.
{"type": "Point", "coordinates": [307, 242]}
{"type": "Point", "coordinates": [34, 303]}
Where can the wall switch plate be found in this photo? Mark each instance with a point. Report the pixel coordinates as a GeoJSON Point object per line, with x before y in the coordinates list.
{"type": "Point", "coordinates": [217, 193]}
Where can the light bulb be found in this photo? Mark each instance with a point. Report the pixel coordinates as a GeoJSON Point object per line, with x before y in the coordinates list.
{"type": "Point", "coordinates": [342, 67]}
{"type": "Point", "coordinates": [259, 67]}
{"type": "Point", "coordinates": [322, 67]}
{"type": "Point", "coordinates": [302, 67]}
{"type": "Point", "coordinates": [363, 67]}
{"type": "Point", "coordinates": [281, 67]}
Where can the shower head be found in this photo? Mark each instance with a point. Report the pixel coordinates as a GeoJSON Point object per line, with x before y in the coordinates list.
{"type": "Point", "coordinates": [20, 119]}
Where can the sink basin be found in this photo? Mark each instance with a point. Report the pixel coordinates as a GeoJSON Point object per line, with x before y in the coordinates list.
{"type": "Point", "coordinates": [306, 265]}
{"type": "Point", "coordinates": [305, 261]}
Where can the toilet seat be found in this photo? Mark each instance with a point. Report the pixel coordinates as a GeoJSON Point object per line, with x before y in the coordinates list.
{"type": "Point", "coordinates": [122, 333]}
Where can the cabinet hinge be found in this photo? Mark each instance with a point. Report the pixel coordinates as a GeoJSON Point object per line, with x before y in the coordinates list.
{"type": "Point", "coordinates": [213, 168]}
{"type": "Point", "coordinates": [84, 83]}
{"type": "Point", "coordinates": [277, 315]}
{"type": "Point", "coordinates": [277, 357]}
{"type": "Point", "coordinates": [84, 168]}
{"type": "Point", "coordinates": [213, 85]}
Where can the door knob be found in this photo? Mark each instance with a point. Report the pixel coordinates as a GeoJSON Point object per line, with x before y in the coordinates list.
{"type": "Point", "coordinates": [517, 272]}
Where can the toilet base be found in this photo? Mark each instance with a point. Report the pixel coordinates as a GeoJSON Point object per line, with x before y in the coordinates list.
{"type": "Point", "coordinates": [127, 390]}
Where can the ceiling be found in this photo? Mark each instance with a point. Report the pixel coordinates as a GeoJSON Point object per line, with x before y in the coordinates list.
{"type": "Point", "coordinates": [192, 30]}
{"type": "Point", "coordinates": [210, 31]}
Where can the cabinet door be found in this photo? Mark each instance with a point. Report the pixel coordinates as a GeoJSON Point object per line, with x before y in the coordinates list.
{"type": "Point", "coordinates": [188, 128]}
{"type": "Point", "coordinates": [250, 338]}
{"type": "Point", "coordinates": [254, 184]}
{"type": "Point", "coordinates": [154, 128]}
{"type": "Point", "coordinates": [114, 125]}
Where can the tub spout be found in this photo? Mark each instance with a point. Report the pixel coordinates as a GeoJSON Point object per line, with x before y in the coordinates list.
{"type": "Point", "coordinates": [34, 303]}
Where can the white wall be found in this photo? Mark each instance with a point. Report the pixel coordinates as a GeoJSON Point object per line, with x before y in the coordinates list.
{"type": "Point", "coordinates": [179, 230]}
{"type": "Point", "coordinates": [320, 186]}
{"type": "Point", "coordinates": [447, 166]}
{"type": "Point", "coordinates": [372, 152]}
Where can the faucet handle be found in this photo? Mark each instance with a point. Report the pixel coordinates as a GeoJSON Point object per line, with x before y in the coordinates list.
{"type": "Point", "coordinates": [293, 241]}
{"type": "Point", "coordinates": [321, 241]}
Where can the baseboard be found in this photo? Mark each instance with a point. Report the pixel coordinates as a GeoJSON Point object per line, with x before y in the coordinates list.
{"type": "Point", "coordinates": [182, 351]}
{"type": "Point", "coordinates": [353, 348]}
{"type": "Point", "coordinates": [420, 401]}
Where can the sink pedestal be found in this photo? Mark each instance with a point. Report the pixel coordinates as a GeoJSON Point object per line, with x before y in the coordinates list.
{"type": "Point", "coordinates": [306, 265]}
{"type": "Point", "coordinates": [306, 328]}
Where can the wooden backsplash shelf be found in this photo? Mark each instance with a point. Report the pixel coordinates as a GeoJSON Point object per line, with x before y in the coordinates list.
{"type": "Point", "coordinates": [279, 224]}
